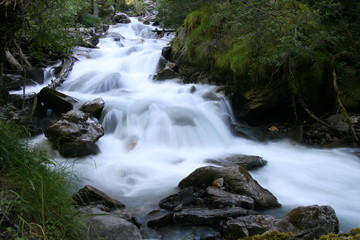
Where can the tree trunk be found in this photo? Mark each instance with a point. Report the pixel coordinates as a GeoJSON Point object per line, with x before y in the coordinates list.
{"type": "Point", "coordinates": [95, 8]}
{"type": "Point", "coordinates": [10, 58]}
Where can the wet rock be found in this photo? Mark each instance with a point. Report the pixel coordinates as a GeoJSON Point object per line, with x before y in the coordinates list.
{"type": "Point", "coordinates": [90, 195]}
{"type": "Point", "coordinates": [78, 149]}
{"type": "Point", "coordinates": [161, 219]}
{"type": "Point", "coordinates": [103, 225]}
{"type": "Point", "coordinates": [184, 197]}
{"type": "Point", "coordinates": [337, 121]}
{"type": "Point", "coordinates": [248, 162]}
{"type": "Point", "coordinates": [306, 223]}
{"type": "Point", "coordinates": [94, 107]}
{"type": "Point", "coordinates": [220, 197]}
{"type": "Point", "coordinates": [236, 178]}
{"type": "Point", "coordinates": [121, 18]}
{"type": "Point", "coordinates": [116, 36]}
{"type": "Point", "coordinates": [75, 129]}
{"type": "Point", "coordinates": [309, 222]}
{"type": "Point", "coordinates": [57, 101]}
{"type": "Point", "coordinates": [166, 74]}
{"type": "Point", "coordinates": [247, 226]}
{"type": "Point", "coordinates": [202, 216]}
{"type": "Point", "coordinates": [166, 52]}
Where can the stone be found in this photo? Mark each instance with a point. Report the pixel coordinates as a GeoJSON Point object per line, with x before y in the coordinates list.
{"type": "Point", "coordinates": [57, 101]}
{"type": "Point", "coordinates": [236, 178]}
{"type": "Point", "coordinates": [203, 216]}
{"type": "Point", "coordinates": [220, 197]}
{"type": "Point", "coordinates": [121, 18]}
{"type": "Point", "coordinates": [90, 195]}
{"type": "Point", "coordinates": [94, 107]}
{"type": "Point", "coordinates": [75, 130]}
{"type": "Point", "coordinates": [111, 227]}
{"type": "Point", "coordinates": [166, 74]}
{"type": "Point", "coordinates": [161, 220]}
{"type": "Point", "coordinates": [247, 226]}
{"type": "Point", "coordinates": [247, 161]}
{"type": "Point", "coordinates": [166, 52]}
{"type": "Point", "coordinates": [309, 222]}
{"type": "Point", "coordinates": [184, 197]}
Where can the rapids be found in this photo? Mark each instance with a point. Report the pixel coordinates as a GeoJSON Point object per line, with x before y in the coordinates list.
{"type": "Point", "coordinates": [159, 132]}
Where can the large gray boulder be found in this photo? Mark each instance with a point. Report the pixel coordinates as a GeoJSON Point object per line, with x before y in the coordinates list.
{"type": "Point", "coordinates": [94, 107]}
{"type": "Point", "coordinates": [236, 178]}
{"type": "Point", "coordinates": [57, 101]}
{"type": "Point", "coordinates": [75, 132]}
{"type": "Point", "coordinates": [121, 18]}
{"type": "Point", "coordinates": [306, 223]}
{"type": "Point", "coordinates": [309, 222]}
{"type": "Point", "coordinates": [103, 225]}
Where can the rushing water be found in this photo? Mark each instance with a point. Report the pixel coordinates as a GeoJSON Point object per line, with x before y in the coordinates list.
{"type": "Point", "coordinates": [159, 132]}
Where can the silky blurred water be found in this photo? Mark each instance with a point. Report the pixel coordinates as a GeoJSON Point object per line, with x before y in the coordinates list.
{"type": "Point", "coordinates": [159, 132]}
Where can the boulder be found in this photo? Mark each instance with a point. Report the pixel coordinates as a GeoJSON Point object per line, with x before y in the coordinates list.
{"type": "Point", "coordinates": [78, 149]}
{"type": "Point", "coordinates": [184, 197]}
{"type": "Point", "coordinates": [236, 178]}
{"type": "Point", "coordinates": [116, 36]}
{"type": "Point", "coordinates": [121, 18]}
{"type": "Point", "coordinates": [248, 162]}
{"type": "Point", "coordinates": [57, 101]}
{"type": "Point", "coordinates": [76, 129]}
{"type": "Point", "coordinates": [247, 226]}
{"type": "Point", "coordinates": [309, 222]}
{"type": "Point", "coordinates": [219, 197]}
{"type": "Point", "coordinates": [160, 220]}
{"type": "Point", "coordinates": [166, 52]}
{"type": "Point", "coordinates": [90, 195]}
{"type": "Point", "coordinates": [203, 216]}
{"type": "Point", "coordinates": [103, 225]}
{"type": "Point", "coordinates": [166, 74]}
{"type": "Point", "coordinates": [94, 107]}
{"type": "Point", "coordinates": [304, 223]}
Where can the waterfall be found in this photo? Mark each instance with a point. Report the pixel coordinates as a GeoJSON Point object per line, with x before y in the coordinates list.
{"type": "Point", "coordinates": [156, 133]}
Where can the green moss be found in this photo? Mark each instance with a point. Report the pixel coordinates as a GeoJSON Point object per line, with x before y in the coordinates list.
{"type": "Point", "coordinates": [273, 235]}
{"type": "Point", "coordinates": [354, 234]}
{"type": "Point", "coordinates": [245, 173]}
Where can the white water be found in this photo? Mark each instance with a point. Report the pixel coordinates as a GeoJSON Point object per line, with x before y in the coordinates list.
{"type": "Point", "coordinates": [159, 132]}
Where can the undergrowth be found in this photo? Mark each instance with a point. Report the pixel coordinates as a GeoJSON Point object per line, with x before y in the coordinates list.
{"type": "Point", "coordinates": [35, 193]}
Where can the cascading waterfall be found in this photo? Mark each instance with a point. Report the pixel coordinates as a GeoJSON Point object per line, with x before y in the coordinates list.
{"type": "Point", "coordinates": [159, 132]}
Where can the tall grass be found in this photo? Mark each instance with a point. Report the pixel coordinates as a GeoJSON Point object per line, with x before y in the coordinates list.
{"type": "Point", "coordinates": [35, 194]}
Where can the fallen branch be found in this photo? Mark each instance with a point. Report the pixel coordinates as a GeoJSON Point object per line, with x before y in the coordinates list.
{"type": "Point", "coordinates": [22, 55]}
{"type": "Point", "coordinates": [67, 66]}
{"type": "Point", "coordinates": [12, 60]}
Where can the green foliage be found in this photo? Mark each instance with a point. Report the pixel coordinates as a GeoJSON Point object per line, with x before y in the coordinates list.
{"type": "Point", "coordinates": [173, 12]}
{"type": "Point", "coordinates": [273, 235]}
{"type": "Point", "coordinates": [48, 25]}
{"type": "Point", "coordinates": [261, 43]}
{"type": "Point", "coordinates": [41, 204]}
{"type": "Point", "coordinates": [354, 234]}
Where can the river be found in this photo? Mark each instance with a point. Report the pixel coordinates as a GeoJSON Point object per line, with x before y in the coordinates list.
{"type": "Point", "coordinates": [159, 132]}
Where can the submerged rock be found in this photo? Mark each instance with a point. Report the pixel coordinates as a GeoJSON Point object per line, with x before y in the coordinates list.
{"type": "Point", "coordinates": [248, 162]}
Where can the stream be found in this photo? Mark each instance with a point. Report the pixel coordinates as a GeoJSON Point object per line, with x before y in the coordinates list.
{"type": "Point", "coordinates": [158, 132]}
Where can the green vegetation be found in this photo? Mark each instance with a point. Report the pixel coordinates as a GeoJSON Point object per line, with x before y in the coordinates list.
{"type": "Point", "coordinates": [35, 194]}
{"type": "Point", "coordinates": [354, 234]}
{"type": "Point", "coordinates": [300, 49]}
{"type": "Point", "coordinates": [273, 235]}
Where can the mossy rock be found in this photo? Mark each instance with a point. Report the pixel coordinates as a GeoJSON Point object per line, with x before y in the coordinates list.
{"type": "Point", "coordinates": [273, 235]}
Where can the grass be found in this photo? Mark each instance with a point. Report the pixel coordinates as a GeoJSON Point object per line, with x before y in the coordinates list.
{"type": "Point", "coordinates": [35, 194]}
